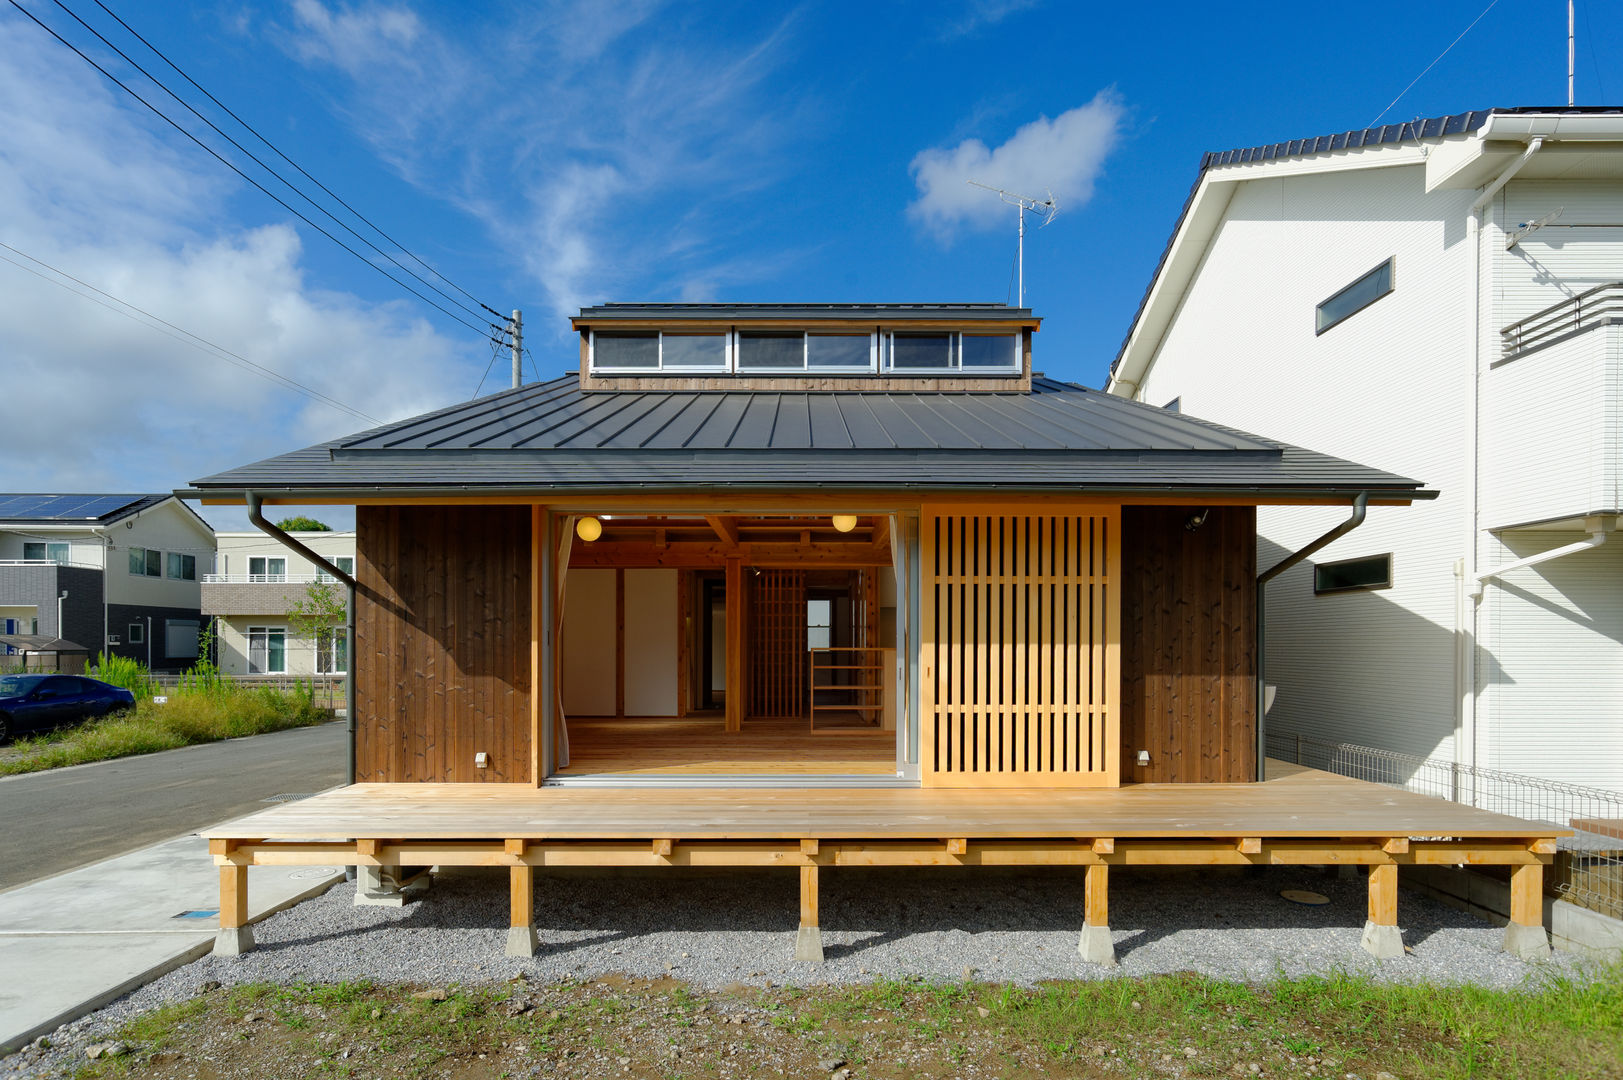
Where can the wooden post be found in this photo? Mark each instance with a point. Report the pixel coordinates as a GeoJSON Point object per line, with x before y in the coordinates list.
{"type": "Point", "coordinates": [1382, 938]}
{"type": "Point", "coordinates": [1096, 946]}
{"type": "Point", "coordinates": [620, 644]}
{"type": "Point", "coordinates": [521, 934]}
{"type": "Point", "coordinates": [235, 935]}
{"type": "Point", "coordinates": [735, 643]}
{"type": "Point", "coordinates": [1524, 935]}
{"type": "Point", "coordinates": [809, 939]}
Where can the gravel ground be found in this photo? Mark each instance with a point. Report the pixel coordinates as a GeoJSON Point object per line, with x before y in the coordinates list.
{"type": "Point", "coordinates": [715, 928]}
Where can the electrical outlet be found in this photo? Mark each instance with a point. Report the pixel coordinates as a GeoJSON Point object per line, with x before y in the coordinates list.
{"type": "Point", "coordinates": [1143, 757]}
{"type": "Point", "coordinates": [481, 760]}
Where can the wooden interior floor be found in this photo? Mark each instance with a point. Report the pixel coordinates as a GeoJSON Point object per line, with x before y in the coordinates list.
{"type": "Point", "coordinates": [1293, 802]}
{"type": "Point", "coordinates": [698, 746]}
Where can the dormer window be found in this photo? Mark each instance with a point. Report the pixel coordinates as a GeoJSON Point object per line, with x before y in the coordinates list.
{"type": "Point", "coordinates": [794, 350]}
{"type": "Point", "coordinates": [927, 352]}
{"type": "Point", "coordinates": [657, 350]}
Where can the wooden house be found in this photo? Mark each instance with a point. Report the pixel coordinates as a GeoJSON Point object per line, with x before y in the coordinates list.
{"type": "Point", "coordinates": [824, 586]}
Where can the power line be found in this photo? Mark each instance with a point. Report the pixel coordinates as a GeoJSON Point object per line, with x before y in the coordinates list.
{"type": "Point", "coordinates": [495, 351]}
{"type": "Point", "coordinates": [255, 159]}
{"type": "Point", "coordinates": [277, 150]}
{"type": "Point", "coordinates": [1418, 77]}
{"type": "Point", "coordinates": [484, 331]}
{"type": "Point", "coordinates": [182, 335]}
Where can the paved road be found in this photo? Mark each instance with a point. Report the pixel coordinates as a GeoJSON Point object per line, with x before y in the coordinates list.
{"type": "Point", "coordinates": [56, 820]}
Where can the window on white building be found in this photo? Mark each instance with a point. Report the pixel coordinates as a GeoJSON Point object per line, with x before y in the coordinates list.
{"type": "Point", "coordinates": [146, 562]}
{"type": "Point", "coordinates": [272, 570]}
{"type": "Point", "coordinates": [57, 553]}
{"type": "Point", "coordinates": [1352, 575]}
{"type": "Point", "coordinates": [343, 562]}
{"type": "Point", "coordinates": [331, 655]}
{"type": "Point", "coordinates": [1355, 297]}
{"type": "Point", "coordinates": [182, 567]}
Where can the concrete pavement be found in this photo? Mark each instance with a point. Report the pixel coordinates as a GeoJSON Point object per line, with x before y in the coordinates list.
{"type": "Point", "coordinates": [62, 818]}
{"type": "Point", "coordinates": [71, 943]}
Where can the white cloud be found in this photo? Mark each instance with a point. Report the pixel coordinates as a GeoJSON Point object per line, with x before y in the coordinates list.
{"type": "Point", "coordinates": [1062, 155]}
{"type": "Point", "coordinates": [94, 401]}
{"type": "Point", "coordinates": [978, 14]}
{"type": "Point", "coordinates": [615, 125]}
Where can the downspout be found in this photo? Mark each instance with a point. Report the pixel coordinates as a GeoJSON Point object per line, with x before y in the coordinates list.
{"type": "Point", "coordinates": [275, 533]}
{"type": "Point", "coordinates": [1465, 741]}
{"type": "Point", "coordinates": [1359, 507]}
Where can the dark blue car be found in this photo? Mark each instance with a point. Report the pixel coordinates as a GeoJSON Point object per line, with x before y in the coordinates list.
{"type": "Point", "coordinates": [41, 702]}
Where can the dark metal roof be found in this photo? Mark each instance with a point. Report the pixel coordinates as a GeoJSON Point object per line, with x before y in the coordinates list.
{"type": "Point", "coordinates": [808, 312]}
{"type": "Point", "coordinates": [18, 509]}
{"type": "Point", "coordinates": [1412, 131]}
{"type": "Point", "coordinates": [1057, 437]}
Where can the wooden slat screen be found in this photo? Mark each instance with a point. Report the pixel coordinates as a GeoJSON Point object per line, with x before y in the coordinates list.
{"type": "Point", "coordinates": [1022, 632]}
{"type": "Point", "coordinates": [777, 644]}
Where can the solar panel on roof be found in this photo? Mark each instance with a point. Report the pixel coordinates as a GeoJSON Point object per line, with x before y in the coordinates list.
{"type": "Point", "coordinates": [62, 507]}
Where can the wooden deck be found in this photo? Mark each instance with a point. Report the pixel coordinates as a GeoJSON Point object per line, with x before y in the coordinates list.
{"type": "Point", "coordinates": [1297, 816]}
{"type": "Point", "coordinates": [701, 746]}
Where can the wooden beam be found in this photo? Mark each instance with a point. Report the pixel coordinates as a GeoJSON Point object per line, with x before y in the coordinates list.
{"type": "Point", "coordinates": [663, 846]}
{"type": "Point", "coordinates": [515, 847]}
{"type": "Point", "coordinates": [233, 897]}
{"type": "Point", "coordinates": [1104, 845]}
{"type": "Point", "coordinates": [809, 846]}
{"type": "Point", "coordinates": [537, 773]}
{"type": "Point", "coordinates": [808, 896]}
{"type": "Point", "coordinates": [1096, 896]}
{"type": "Point", "coordinates": [521, 880]}
{"type": "Point", "coordinates": [1544, 846]}
{"type": "Point", "coordinates": [1249, 845]}
{"type": "Point", "coordinates": [368, 846]}
{"type": "Point", "coordinates": [1397, 845]}
{"type": "Point", "coordinates": [1383, 895]}
{"type": "Point", "coordinates": [700, 555]}
{"type": "Point", "coordinates": [958, 845]}
{"type": "Point", "coordinates": [726, 528]}
{"type": "Point", "coordinates": [735, 645]}
{"type": "Point", "coordinates": [1527, 895]}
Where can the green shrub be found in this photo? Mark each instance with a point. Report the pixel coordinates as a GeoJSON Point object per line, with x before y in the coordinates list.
{"type": "Point", "coordinates": [132, 675]}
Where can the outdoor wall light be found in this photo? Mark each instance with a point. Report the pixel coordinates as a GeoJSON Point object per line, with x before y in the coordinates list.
{"type": "Point", "coordinates": [588, 529]}
{"type": "Point", "coordinates": [844, 522]}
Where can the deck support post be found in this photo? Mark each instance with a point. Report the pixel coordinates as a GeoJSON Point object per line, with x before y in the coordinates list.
{"type": "Point", "coordinates": [809, 938]}
{"type": "Point", "coordinates": [1095, 945]}
{"type": "Point", "coordinates": [235, 935]}
{"type": "Point", "coordinates": [1382, 939]}
{"type": "Point", "coordinates": [521, 934]}
{"type": "Point", "coordinates": [1524, 934]}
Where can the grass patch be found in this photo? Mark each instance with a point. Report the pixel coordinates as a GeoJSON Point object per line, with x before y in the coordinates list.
{"type": "Point", "coordinates": [222, 711]}
{"type": "Point", "coordinates": [1181, 1025]}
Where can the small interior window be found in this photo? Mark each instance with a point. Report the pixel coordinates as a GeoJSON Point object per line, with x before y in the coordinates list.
{"type": "Point", "coordinates": [1350, 575]}
{"type": "Point", "coordinates": [1355, 297]}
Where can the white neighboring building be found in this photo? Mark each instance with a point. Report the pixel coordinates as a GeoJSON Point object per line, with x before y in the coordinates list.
{"type": "Point", "coordinates": [113, 573]}
{"type": "Point", "coordinates": [255, 583]}
{"type": "Point", "coordinates": [1453, 235]}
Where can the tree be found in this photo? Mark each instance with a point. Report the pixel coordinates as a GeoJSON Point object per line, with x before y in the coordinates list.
{"type": "Point", "coordinates": [303, 524]}
{"type": "Point", "coordinates": [314, 616]}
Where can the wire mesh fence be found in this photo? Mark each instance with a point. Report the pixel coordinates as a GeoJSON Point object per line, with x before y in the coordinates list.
{"type": "Point", "coordinates": [1588, 867]}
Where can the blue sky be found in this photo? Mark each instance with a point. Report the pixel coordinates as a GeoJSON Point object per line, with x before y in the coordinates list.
{"type": "Point", "coordinates": [543, 156]}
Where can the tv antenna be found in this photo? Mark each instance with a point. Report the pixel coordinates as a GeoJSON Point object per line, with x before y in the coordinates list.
{"type": "Point", "coordinates": [1046, 207]}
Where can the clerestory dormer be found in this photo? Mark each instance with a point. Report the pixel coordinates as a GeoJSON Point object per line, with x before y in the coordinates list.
{"type": "Point", "coordinates": [801, 347]}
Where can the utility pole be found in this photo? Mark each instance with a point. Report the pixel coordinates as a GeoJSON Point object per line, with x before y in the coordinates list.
{"type": "Point", "coordinates": [515, 329]}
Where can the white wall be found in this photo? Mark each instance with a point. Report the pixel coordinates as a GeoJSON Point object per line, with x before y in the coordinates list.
{"type": "Point", "coordinates": [84, 547]}
{"type": "Point", "coordinates": [234, 549]}
{"type": "Point", "coordinates": [168, 527]}
{"type": "Point", "coordinates": [588, 646]}
{"type": "Point", "coordinates": [231, 640]}
{"type": "Point", "coordinates": [651, 642]}
{"type": "Point", "coordinates": [1387, 388]}
{"type": "Point", "coordinates": [1390, 387]}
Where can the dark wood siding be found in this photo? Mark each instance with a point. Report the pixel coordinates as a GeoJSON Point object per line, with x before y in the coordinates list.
{"type": "Point", "coordinates": [442, 643]}
{"type": "Point", "coordinates": [1189, 644]}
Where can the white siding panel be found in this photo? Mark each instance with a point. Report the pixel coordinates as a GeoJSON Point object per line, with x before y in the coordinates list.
{"type": "Point", "coordinates": [1557, 261]}
{"type": "Point", "coordinates": [1550, 432]}
{"type": "Point", "coordinates": [1387, 387]}
{"type": "Point", "coordinates": [1552, 640]}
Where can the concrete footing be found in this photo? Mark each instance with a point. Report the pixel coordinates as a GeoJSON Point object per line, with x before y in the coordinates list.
{"type": "Point", "coordinates": [1526, 942]}
{"type": "Point", "coordinates": [381, 886]}
{"type": "Point", "coordinates": [233, 941]}
{"type": "Point", "coordinates": [1096, 947]}
{"type": "Point", "coordinates": [809, 944]}
{"type": "Point", "coordinates": [1382, 942]}
{"type": "Point", "coordinates": [521, 941]}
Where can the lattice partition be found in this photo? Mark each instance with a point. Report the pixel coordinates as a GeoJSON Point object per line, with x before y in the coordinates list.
{"type": "Point", "coordinates": [777, 644]}
{"type": "Point", "coordinates": [1022, 660]}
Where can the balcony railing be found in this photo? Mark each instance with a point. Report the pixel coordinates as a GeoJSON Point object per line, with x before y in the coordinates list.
{"type": "Point", "coordinates": [266, 579]}
{"type": "Point", "coordinates": [50, 562]}
{"type": "Point", "coordinates": [1601, 304]}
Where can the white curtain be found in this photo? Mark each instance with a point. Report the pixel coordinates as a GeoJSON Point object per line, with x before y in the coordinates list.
{"type": "Point", "coordinates": [560, 722]}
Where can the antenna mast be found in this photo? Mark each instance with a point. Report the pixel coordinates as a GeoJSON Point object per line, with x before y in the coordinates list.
{"type": "Point", "coordinates": [1570, 53]}
{"type": "Point", "coordinates": [1022, 203]}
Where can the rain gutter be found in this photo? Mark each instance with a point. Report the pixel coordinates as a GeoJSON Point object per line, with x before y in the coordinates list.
{"type": "Point", "coordinates": [255, 504]}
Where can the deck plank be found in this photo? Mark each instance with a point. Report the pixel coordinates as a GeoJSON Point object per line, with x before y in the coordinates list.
{"type": "Point", "coordinates": [1299, 803]}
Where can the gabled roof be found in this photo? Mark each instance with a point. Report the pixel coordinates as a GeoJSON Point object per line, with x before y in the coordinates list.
{"type": "Point", "coordinates": [1576, 122]}
{"type": "Point", "coordinates": [87, 510]}
{"type": "Point", "coordinates": [1060, 437]}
